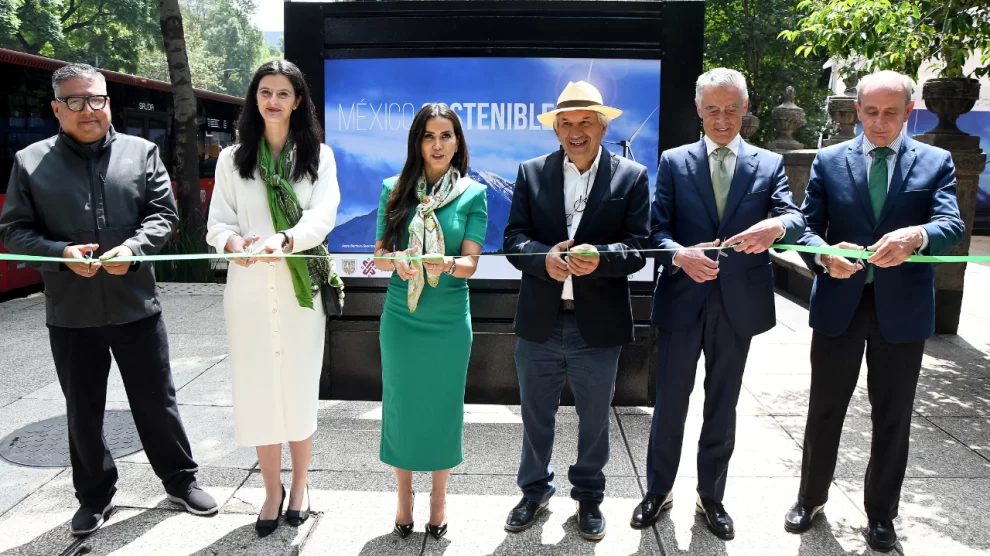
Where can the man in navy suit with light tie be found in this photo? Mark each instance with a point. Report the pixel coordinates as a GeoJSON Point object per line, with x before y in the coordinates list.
{"type": "Point", "coordinates": [897, 197]}
{"type": "Point", "coordinates": [717, 191]}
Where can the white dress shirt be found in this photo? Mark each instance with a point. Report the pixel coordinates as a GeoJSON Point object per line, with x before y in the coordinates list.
{"type": "Point", "coordinates": [868, 151]}
{"type": "Point", "coordinates": [577, 186]}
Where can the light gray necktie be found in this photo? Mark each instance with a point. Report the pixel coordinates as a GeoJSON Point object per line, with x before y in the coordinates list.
{"type": "Point", "coordinates": [720, 179]}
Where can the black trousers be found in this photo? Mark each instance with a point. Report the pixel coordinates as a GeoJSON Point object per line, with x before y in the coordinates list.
{"type": "Point", "coordinates": [677, 361]}
{"type": "Point", "coordinates": [82, 361]}
{"type": "Point", "coordinates": [891, 382]}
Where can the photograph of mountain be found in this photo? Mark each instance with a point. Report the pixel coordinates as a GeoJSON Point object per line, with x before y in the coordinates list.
{"type": "Point", "coordinates": [370, 104]}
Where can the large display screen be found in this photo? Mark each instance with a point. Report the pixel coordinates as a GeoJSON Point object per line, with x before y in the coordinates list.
{"type": "Point", "coordinates": [370, 104]}
{"type": "Point", "coordinates": [976, 122]}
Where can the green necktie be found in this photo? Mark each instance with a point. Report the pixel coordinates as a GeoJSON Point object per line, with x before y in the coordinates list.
{"type": "Point", "coordinates": [721, 179]}
{"type": "Point", "coordinates": [878, 190]}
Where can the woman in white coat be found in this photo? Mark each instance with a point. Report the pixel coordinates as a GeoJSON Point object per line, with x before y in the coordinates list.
{"type": "Point", "coordinates": [276, 192]}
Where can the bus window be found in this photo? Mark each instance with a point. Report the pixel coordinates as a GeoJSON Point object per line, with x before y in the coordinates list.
{"type": "Point", "coordinates": [210, 145]}
{"type": "Point", "coordinates": [134, 126]}
{"type": "Point", "coordinates": [158, 134]}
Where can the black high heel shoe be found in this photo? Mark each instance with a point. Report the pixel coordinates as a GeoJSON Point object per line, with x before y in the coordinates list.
{"type": "Point", "coordinates": [437, 531]}
{"type": "Point", "coordinates": [296, 518]}
{"type": "Point", "coordinates": [406, 529]}
{"type": "Point", "coordinates": [266, 527]}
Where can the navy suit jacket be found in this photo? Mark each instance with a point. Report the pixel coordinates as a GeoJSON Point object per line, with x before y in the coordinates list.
{"type": "Point", "coordinates": [616, 221]}
{"type": "Point", "coordinates": [684, 214]}
{"type": "Point", "coordinates": [837, 206]}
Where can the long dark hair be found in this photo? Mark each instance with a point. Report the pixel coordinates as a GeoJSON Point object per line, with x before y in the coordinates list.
{"type": "Point", "coordinates": [403, 199]}
{"type": "Point", "coordinates": [303, 124]}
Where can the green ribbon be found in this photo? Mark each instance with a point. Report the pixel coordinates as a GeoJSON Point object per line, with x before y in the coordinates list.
{"type": "Point", "coordinates": [834, 251]}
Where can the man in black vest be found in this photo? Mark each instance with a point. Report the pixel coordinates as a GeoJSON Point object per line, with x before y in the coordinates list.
{"type": "Point", "coordinates": [589, 209]}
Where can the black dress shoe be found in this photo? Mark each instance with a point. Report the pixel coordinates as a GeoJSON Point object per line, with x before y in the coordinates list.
{"type": "Point", "coordinates": [406, 529]}
{"type": "Point", "coordinates": [717, 518]}
{"type": "Point", "coordinates": [799, 518]}
{"type": "Point", "coordinates": [881, 536]}
{"type": "Point", "coordinates": [296, 518]}
{"type": "Point", "coordinates": [648, 511]}
{"type": "Point", "coordinates": [266, 527]}
{"type": "Point", "coordinates": [89, 518]}
{"type": "Point", "coordinates": [591, 522]}
{"type": "Point", "coordinates": [524, 515]}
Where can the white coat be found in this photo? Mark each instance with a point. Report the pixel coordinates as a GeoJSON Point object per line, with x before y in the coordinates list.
{"type": "Point", "coordinates": [276, 346]}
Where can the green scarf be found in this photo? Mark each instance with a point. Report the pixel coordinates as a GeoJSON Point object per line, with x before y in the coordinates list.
{"type": "Point", "coordinates": [308, 275]}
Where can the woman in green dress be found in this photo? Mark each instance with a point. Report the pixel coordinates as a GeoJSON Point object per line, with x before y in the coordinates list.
{"type": "Point", "coordinates": [432, 221]}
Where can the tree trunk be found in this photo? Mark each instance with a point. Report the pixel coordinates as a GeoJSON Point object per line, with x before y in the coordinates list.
{"type": "Point", "coordinates": [192, 228]}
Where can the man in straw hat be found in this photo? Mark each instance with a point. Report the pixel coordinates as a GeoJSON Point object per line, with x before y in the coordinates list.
{"type": "Point", "coordinates": [716, 191]}
{"type": "Point", "coordinates": [583, 213]}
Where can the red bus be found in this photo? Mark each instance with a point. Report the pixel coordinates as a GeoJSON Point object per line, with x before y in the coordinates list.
{"type": "Point", "coordinates": [138, 106]}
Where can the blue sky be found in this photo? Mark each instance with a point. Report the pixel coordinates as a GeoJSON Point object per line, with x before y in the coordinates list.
{"type": "Point", "coordinates": [378, 149]}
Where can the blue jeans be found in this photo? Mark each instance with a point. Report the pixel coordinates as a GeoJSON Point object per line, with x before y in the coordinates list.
{"type": "Point", "coordinates": [590, 372]}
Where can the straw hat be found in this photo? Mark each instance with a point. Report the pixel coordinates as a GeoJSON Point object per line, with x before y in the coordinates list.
{"type": "Point", "coordinates": [579, 96]}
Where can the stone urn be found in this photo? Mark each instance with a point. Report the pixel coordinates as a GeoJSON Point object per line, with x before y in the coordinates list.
{"type": "Point", "coordinates": [850, 82]}
{"type": "Point", "coordinates": [949, 99]}
{"type": "Point", "coordinates": [842, 110]}
{"type": "Point", "coordinates": [750, 124]}
{"type": "Point", "coordinates": [787, 117]}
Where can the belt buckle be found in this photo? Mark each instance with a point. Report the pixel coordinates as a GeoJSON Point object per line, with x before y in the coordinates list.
{"type": "Point", "coordinates": [567, 304]}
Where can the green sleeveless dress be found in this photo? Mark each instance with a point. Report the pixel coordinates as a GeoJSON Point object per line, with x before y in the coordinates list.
{"type": "Point", "coordinates": [425, 354]}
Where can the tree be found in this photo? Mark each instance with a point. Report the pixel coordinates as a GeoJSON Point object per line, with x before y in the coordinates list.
{"type": "Point", "coordinates": [105, 33]}
{"type": "Point", "coordinates": [743, 35]}
{"type": "Point", "coordinates": [204, 65]}
{"type": "Point", "coordinates": [224, 47]}
{"type": "Point", "coordinates": [191, 227]}
{"type": "Point", "coordinates": [230, 34]}
{"type": "Point", "coordinates": [879, 35]}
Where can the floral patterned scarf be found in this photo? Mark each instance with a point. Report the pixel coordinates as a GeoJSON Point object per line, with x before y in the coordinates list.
{"type": "Point", "coordinates": [424, 230]}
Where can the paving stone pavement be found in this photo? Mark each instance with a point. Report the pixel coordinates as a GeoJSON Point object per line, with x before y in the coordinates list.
{"type": "Point", "coordinates": [943, 503]}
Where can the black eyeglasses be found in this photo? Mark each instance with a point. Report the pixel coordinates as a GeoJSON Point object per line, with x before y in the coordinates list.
{"type": "Point", "coordinates": [76, 103]}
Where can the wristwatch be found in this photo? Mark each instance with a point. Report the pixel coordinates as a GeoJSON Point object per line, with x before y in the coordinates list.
{"type": "Point", "coordinates": [287, 241]}
{"type": "Point", "coordinates": [453, 266]}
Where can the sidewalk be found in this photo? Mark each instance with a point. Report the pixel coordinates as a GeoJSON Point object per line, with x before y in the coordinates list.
{"type": "Point", "coordinates": [943, 506]}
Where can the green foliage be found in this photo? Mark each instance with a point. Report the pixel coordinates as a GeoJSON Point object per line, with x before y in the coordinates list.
{"type": "Point", "coordinates": [743, 35]}
{"type": "Point", "coordinates": [230, 34]}
{"type": "Point", "coordinates": [106, 33]}
{"type": "Point", "coordinates": [204, 65]}
{"type": "Point", "coordinates": [223, 46]}
{"type": "Point", "coordinates": [203, 271]}
{"type": "Point", "coordinates": [880, 34]}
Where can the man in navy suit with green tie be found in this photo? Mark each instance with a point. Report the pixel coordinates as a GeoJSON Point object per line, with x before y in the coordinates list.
{"type": "Point", "coordinates": [887, 193]}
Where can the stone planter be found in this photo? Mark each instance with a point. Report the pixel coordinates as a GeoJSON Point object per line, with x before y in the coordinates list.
{"type": "Point", "coordinates": [949, 99]}
{"type": "Point", "coordinates": [787, 117]}
{"type": "Point", "coordinates": [750, 124]}
{"type": "Point", "coordinates": [842, 110]}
